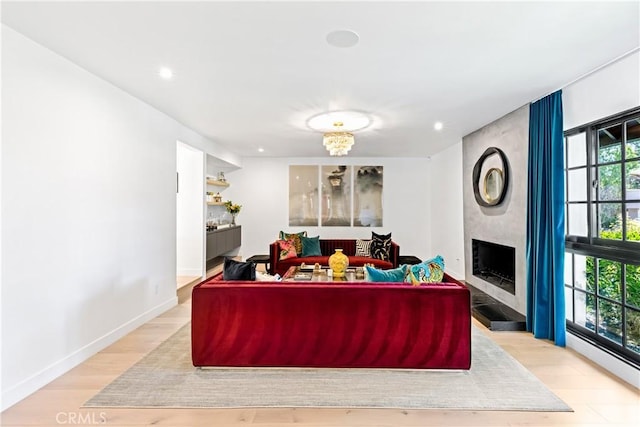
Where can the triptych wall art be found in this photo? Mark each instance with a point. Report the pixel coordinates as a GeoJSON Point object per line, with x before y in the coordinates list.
{"type": "Point", "coordinates": [335, 196]}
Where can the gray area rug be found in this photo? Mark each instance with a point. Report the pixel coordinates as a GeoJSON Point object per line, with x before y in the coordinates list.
{"type": "Point", "coordinates": [166, 378]}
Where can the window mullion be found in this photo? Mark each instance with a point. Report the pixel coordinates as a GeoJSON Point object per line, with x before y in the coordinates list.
{"type": "Point", "coordinates": [590, 178]}
{"type": "Point", "coordinates": [623, 178]}
{"type": "Point", "coordinates": [623, 300]}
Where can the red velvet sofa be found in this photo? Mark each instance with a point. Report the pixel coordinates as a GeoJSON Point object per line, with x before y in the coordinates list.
{"type": "Point", "coordinates": [327, 248]}
{"type": "Point", "coordinates": [331, 324]}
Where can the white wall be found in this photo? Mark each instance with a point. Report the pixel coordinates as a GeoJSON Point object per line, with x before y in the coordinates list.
{"type": "Point", "coordinates": [190, 211]}
{"type": "Point", "coordinates": [262, 188]}
{"type": "Point", "coordinates": [447, 224]}
{"type": "Point", "coordinates": [88, 214]}
{"type": "Point", "coordinates": [608, 91]}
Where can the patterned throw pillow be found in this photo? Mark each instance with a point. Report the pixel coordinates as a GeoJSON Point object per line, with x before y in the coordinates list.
{"type": "Point", "coordinates": [429, 271]}
{"type": "Point", "coordinates": [287, 249]}
{"type": "Point", "coordinates": [363, 248]}
{"type": "Point", "coordinates": [310, 246]}
{"type": "Point", "coordinates": [295, 237]}
{"type": "Point", "coordinates": [392, 275]}
{"type": "Point", "coordinates": [380, 246]}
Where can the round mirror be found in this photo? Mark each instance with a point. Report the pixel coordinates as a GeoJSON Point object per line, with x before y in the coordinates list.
{"type": "Point", "coordinates": [491, 189]}
{"type": "Point", "coordinates": [493, 184]}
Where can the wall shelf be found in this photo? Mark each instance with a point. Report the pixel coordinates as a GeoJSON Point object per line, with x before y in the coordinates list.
{"type": "Point", "coordinates": [217, 183]}
{"type": "Point", "coordinates": [215, 203]}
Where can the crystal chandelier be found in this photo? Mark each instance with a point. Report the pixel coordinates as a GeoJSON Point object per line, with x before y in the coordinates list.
{"type": "Point", "coordinates": [338, 142]}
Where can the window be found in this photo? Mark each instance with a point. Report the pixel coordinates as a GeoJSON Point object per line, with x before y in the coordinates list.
{"type": "Point", "coordinates": [602, 261]}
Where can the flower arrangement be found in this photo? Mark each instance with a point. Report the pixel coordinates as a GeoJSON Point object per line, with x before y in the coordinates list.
{"type": "Point", "coordinates": [232, 208]}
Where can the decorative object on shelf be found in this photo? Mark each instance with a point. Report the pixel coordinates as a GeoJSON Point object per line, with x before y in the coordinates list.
{"type": "Point", "coordinates": [338, 263]}
{"type": "Point", "coordinates": [210, 196]}
{"type": "Point", "coordinates": [216, 182]}
{"type": "Point", "coordinates": [211, 222]}
{"type": "Point", "coordinates": [491, 189]}
{"type": "Point", "coordinates": [233, 209]}
{"type": "Point", "coordinates": [217, 198]}
{"type": "Point", "coordinates": [221, 177]}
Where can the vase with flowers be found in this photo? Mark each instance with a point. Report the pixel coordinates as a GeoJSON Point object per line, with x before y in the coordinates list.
{"type": "Point", "coordinates": [233, 209]}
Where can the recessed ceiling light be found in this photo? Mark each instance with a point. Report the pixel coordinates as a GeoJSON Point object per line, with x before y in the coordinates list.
{"type": "Point", "coordinates": [261, 150]}
{"type": "Point", "coordinates": [343, 38]}
{"type": "Point", "coordinates": [437, 125]}
{"type": "Point", "coordinates": [351, 121]}
{"type": "Point", "coordinates": [165, 73]}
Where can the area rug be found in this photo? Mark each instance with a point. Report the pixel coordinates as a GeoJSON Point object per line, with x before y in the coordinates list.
{"type": "Point", "coordinates": [166, 378]}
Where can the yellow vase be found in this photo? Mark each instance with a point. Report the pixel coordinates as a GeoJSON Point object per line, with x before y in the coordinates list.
{"type": "Point", "coordinates": [338, 263]}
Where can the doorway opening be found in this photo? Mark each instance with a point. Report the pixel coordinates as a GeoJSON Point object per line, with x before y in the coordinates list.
{"type": "Point", "coordinates": [190, 228]}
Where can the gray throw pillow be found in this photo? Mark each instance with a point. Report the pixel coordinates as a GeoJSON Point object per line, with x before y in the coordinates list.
{"type": "Point", "coordinates": [238, 270]}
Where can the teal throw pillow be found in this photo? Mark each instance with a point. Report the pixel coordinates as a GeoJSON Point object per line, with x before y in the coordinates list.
{"type": "Point", "coordinates": [393, 275]}
{"type": "Point", "coordinates": [310, 246]}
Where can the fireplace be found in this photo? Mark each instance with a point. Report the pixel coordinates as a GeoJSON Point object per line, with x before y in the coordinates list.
{"type": "Point", "coordinates": [495, 264]}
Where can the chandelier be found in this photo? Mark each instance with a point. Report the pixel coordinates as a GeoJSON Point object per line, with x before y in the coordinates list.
{"type": "Point", "coordinates": [338, 142]}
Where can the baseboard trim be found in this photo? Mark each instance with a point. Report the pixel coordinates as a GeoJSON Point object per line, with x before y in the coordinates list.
{"type": "Point", "coordinates": [38, 380]}
{"type": "Point", "coordinates": [612, 364]}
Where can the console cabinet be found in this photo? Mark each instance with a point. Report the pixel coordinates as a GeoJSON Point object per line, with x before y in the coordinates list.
{"type": "Point", "coordinates": [223, 240]}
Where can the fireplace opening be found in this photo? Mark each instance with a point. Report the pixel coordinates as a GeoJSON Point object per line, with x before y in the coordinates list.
{"type": "Point", "coordinates": [495, 264]}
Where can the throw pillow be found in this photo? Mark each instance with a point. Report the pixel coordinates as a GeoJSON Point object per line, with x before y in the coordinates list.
{"type": "Point", "coordinates": [311, 246]}
{"type": "Point", "coordinates": [295, 237]}
{"type": "Point", "coordinates": [237, 270]}
{"type": "Point", "coordinates": [429, 271]}
{"type": "Point", "coordinates": [287, 249]}
{"type": "Point", "coordinates": [264, 277]}
{"type": "Point", "coordinates": [363, 248]}
{"type": "Point", "coordinates": [380, 246]}
{"type": "Point", "coordinates": [392, 275]}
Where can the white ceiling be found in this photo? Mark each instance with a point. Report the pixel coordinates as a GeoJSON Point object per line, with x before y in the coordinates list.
{"type": "Point", "coordinates": [249, 74]}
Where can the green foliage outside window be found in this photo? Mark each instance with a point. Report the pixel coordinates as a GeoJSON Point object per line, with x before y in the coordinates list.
{"type": "Point", "coordinates": [610, 186]}
{"type": "Point", "coordinates": [610, 283]}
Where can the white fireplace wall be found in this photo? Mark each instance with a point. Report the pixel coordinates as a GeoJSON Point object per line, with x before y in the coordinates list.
{"type": "Point", "coordinates": [504, 224]}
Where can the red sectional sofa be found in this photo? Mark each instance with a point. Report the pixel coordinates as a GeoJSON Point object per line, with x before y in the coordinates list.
{"type": "Point", "coordinates": [331, 324]}
{"type": "Point", "coordinates": [327, 248]}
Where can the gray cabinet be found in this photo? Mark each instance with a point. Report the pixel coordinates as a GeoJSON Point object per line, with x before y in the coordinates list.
{"type": "Point", "coordinates": [223, 240]}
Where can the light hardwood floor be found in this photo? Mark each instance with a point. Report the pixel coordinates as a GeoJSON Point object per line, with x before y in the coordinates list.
{"type": "Point", "coordinates": [185, 280]}
{"type": "Point", "coordinates": [597, 397]}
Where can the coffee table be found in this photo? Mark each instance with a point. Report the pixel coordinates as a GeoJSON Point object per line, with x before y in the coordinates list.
{"type": "Point", "coordinates": [296, 274]}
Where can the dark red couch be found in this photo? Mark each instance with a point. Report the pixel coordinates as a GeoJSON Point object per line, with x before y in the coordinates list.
{"type": "Point", "coordinates": [328, 248]}
{"type": "Point", "coordinates": [316, 324]}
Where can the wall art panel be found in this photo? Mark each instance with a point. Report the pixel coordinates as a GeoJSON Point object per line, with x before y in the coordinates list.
{"type": "Point", "coordinates": [367, 196]}
{"type": "Point", "coordinates": [336, 195]}
{"type": "Point", "coordinates": [303, 195]}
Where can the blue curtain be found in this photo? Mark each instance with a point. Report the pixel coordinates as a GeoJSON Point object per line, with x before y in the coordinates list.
{"type": "Point", "coordinates": [545, 221]}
